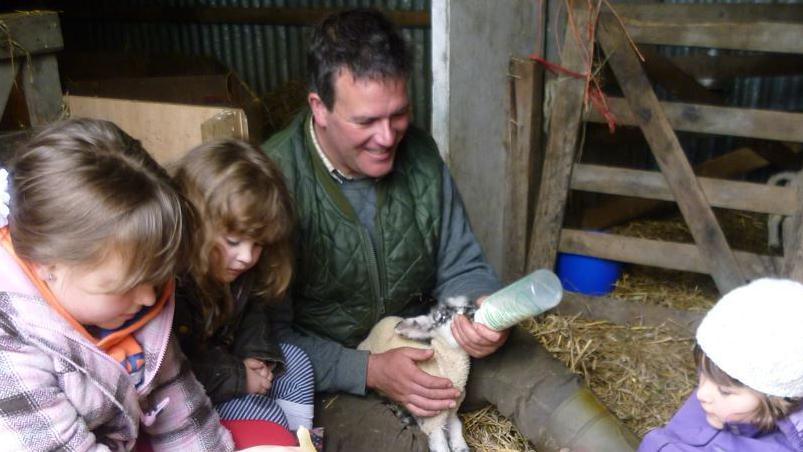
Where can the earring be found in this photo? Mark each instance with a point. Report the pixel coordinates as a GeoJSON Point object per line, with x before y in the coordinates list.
{"type": "Point", "coordinates": [50, 277]}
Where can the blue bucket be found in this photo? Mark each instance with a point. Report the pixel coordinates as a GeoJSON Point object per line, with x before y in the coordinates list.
{"type": "Point", "coordinates": [587, 275]}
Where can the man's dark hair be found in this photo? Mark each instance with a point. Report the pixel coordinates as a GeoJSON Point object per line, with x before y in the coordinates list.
{"type": "Point", "coordinates": [363, 41]}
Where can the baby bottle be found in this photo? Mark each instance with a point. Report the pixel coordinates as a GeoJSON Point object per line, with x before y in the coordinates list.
{"type": "Point", "coordinates": [527, 297]}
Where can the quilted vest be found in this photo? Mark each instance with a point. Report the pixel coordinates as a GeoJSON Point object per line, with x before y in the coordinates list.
{"type": "Point", "coordinates": [342, 285]}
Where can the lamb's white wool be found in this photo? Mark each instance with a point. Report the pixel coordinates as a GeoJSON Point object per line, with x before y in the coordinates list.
{"type": "Point", "coordinates": [449, 361]}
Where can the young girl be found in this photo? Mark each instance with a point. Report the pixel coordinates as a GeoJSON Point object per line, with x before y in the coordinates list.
{"type": "Point", "coordinates": [94, 232]}
{"type": "Point", "coordinates": [750, 359]}
{"type": "Point", "coordinates": [243, 262]}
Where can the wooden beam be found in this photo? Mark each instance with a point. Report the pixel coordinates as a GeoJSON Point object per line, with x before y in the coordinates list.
{"type": "Point", "coordinates": [29, 33]}
{"type": "Point", "coordinates": [669, 155]}
{"type": "Point", "coordinates": [736, 195]}
{"type": "Point", "coordinates": [768, 28]}
{"type": "Point", "coordinates": [731, 164]}
{"type": "Point", "coordinates": [564, 125]}
{"type": "Point", "coordinates": [793, 246]}
{"type": "Point", "coordinates": [624, 312]}
{"type": "Point", "coordinates": [232, 15]}
{"type": "Point", "coordinates": [712, 70]}
{"type": "Point", "coordinates": [42, 89]}
{"type": "Point", "coordinates": [755, 36]}
{"type": "Point", "coordinates": [659, 253]}
{"type": "Point", "coordinates": [693, 13]}
{"type": "Point", "coordinates": [523, 162]}
{"type": "Point", "coordinates": [740, 122]}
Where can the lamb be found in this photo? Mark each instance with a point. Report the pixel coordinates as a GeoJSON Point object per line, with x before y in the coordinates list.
{"type": "Point", "coordinates": [432, 331]}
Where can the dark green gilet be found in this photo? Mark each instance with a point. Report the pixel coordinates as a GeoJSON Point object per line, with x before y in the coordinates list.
{"type": "Point", "coordinates": [342, 285]}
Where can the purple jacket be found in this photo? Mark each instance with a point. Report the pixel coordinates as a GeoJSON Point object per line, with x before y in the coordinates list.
{"type": "Point", "coordinates": [689, 431]}
{"type": "Point", "coordinates": [60, 392]}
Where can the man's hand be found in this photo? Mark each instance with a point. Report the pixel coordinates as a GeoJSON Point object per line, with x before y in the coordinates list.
{"type": "Point", "coordinates": [476, 339]}
{"type": "Point", "coordinates": [258, 376]}
{"type": "Point", "coordinates": [396, 375]}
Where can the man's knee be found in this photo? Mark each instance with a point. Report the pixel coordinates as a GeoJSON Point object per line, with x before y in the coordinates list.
{"type": "Point", "coordinates": [353, 423]}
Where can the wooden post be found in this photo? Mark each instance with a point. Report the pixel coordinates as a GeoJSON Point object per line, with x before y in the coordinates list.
{"type": "Point", "coordinates": [523, 162]}
{"type": "Point", "coordinates": [793, 246]}
{"type": "Point", "coordinates": [42, 88]}
{"type": "Point", "coordinates": [564, 124]}
{"type": "Point", "coordinates": [669, 155]}
{"type": "Point", "coordinates": [31, 39]}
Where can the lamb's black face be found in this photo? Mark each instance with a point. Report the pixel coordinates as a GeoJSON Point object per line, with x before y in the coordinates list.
{"type": "Point", "coordinates": [442, 314]}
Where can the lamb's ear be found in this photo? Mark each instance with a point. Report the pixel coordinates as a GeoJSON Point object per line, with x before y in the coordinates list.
{"type": "Point", "coordinates": [457, 302]}
{"type": "Point", "coordinates": [416, 328]}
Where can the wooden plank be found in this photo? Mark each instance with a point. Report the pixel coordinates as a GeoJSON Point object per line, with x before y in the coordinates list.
{"type": "Point", "coordinates": [658, 253]}
{"type": "Point", "coordinates": [712, 70]}
{"type": "Point", "coordinates": [553, 191]}
{"type": "Point", "coordinates": [739, 122]}
{"type": "Point", "coordinates": [29, 33]}
{"type": "Point", "coordinates": [734, 163]}
{"type": "Point", "coordinates": [523, 162]}
{"type": "Point", "coordinates": [167, 131]}
{"type": "Point", "coordinates": [736, 195]}
{"type": "Point", "coordinates": [756, 36]}
{"type": "Point", "coordinates": [768, 28]}
{"type": "Point", "coordinates": [624, 312]}
{"type": "Point", "coordinates": [669, 155]}
{"type": "Point", "coordinates": [693, 13]}
{"type": "Point", "coordinates": [42, 89]}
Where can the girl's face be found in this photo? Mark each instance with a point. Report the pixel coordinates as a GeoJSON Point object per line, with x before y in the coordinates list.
{"type": "Point", "coordinates": [90, 294]}
{"type": "Point", "coordinates": [238, 254]}
{"type": "Point", "coordinates": [726, 404]}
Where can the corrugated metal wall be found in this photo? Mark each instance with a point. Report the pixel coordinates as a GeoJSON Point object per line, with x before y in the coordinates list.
{"type": "Point", "coordinates": [264, 56]}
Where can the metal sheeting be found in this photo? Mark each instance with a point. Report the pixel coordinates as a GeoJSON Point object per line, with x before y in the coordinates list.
{"type": "Point", "coordinates": [264, 56]}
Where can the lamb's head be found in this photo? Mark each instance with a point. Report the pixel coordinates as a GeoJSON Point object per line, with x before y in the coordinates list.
{"type": "Point", "coordinates": [438, 322]}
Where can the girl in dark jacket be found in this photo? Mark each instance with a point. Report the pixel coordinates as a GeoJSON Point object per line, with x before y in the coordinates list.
{"type": "Point", "coordinates": [243, 261]}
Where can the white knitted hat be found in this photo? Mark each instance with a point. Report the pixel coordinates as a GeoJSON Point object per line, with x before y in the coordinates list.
{"type": "Point", "coordinates": [755, 334]}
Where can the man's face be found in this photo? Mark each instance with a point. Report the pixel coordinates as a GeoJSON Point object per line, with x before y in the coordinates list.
{"type": "Point", "coordinates": [368, 120]}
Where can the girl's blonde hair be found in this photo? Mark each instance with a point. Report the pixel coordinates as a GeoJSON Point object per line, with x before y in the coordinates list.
{"type": "Point", "coordinates": [770, 410]}
{"type": "Point", "coordinates": [237, 189]}
{"type": "Point", "coordinates": [82, 190]}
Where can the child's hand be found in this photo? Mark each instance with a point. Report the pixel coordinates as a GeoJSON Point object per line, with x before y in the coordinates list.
{"type": "Point", "coordinates": [258, 376]}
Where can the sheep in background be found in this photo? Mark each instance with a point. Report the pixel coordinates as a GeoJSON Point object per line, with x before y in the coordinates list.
{"type": "Point", "coordinates": [432, 331]}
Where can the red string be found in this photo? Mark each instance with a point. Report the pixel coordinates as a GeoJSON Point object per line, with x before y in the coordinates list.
{"type": "Point", "coordinates": [595, 94]}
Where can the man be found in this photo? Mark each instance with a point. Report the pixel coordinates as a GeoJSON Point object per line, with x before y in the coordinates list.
{"type": "Point", "coordinates": [382, 231]}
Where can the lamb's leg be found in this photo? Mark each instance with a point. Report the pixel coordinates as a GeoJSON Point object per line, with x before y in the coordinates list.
{"type": "Point", "coordinates": [455, 429]}
{"type": "Point", "coordinates": [437, 441]}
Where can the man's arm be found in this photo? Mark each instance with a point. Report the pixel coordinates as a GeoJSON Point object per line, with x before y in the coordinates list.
{"type": "Point", "coordinates": [337, 368]}
{"type": "Point", "coordinates": [462, 270]}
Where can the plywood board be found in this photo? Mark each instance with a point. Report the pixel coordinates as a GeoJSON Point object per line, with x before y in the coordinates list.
{"type": "Point", "coordinates": [167, 131]}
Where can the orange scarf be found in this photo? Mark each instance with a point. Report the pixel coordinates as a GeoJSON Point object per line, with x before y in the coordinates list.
{"type": "Point", "coordinates": [119, 344]}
